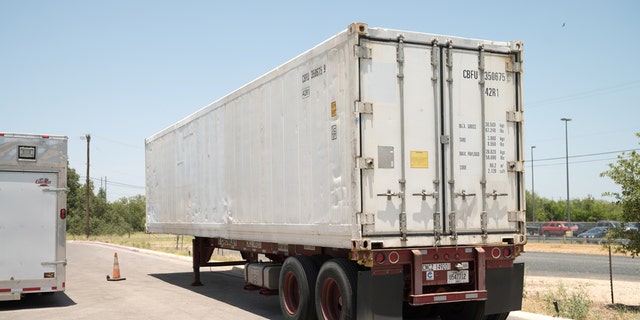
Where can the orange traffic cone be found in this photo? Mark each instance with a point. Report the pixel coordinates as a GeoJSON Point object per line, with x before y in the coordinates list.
{"type": "Point", "coordinates": [116, 270]}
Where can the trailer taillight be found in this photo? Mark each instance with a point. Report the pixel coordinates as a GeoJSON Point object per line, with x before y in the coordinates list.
{"type": "Point", "coordinates": [379, 257]}
{"type": "Point", "coordinates": [394, 257]}
{"type": "Point", "coordinates": [63, 213]}
{"type": "Point", "coordinates": [506, 252]}
{"type": "Point", "coordinates": [495, 253]}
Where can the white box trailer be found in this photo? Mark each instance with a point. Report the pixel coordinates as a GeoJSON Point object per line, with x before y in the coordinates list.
{"type": "Point", "coordinates": [33, 185]}
{"type": "Point", "coordinates": [399, 152]}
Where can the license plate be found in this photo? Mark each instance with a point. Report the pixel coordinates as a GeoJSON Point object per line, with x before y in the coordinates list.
{"type": "Point", "coordinates": [461, 276]}
{"type": "Point", "coordinates": [436, 266]}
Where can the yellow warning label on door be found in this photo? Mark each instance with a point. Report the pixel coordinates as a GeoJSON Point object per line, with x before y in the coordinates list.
{"type": "Point", "coordinates": [419, 159]}
{"type": "Point", "coordinates": [334, 109]}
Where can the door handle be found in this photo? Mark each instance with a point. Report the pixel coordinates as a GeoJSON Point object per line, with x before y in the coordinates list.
{"type": "Point", "coordinates": [495, 195]}
{"type": "Point", "coordinates": [464, 194]}
{"type": "Point", "coordinates": [424, 195]}
{"type": "Point", "coordinates": [390, 194]}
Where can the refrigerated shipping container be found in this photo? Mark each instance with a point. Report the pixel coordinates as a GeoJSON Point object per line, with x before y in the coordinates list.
{"type": "Point", "coordinates": [379, 168]}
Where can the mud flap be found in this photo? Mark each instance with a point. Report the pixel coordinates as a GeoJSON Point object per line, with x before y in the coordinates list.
{"type": "Point", "coordinates": [379, 297]}
{"type": "Point", "coordinates": [504, 289]}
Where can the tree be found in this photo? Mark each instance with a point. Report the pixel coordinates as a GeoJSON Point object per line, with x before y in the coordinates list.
{"type": "Point", "coordinates": [123, 216]}
{"type": "Point", "coordinates": [626, 173]}
{"type": "Point", "coordinates": [75, 203]}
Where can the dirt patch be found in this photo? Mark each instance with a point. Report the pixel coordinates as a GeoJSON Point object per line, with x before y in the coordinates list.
{"type": "Point", "coordinates": [576, 248]}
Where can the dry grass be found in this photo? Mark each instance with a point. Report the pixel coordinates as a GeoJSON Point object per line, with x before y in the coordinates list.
{"type": "Point", "coordinates": [169, 243]}
{"type": "Point", "coordinates": [575, 248]}
{"type": "Point", "coordinates": [180, 245]}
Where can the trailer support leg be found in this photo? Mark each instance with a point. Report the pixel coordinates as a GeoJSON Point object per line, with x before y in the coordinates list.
{"type": "Point", "coordinates": [196, 244]}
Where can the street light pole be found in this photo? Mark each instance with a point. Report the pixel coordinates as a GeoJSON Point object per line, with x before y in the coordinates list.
{"type": "Point", "coordinates": [533, 190]}
{"type": "Point", "coordinates": [566, 157]}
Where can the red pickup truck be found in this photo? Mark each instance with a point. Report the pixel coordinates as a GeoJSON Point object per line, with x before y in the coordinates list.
{"type": "Point", "coordinates": [556, 228]}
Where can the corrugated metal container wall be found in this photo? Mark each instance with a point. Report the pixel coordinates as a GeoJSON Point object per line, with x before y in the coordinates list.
{"type": "Point", "coordinates": [272, 161]}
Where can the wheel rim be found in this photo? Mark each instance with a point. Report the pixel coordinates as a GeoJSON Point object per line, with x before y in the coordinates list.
{"type": "Point", "coordinates": [331, 300]}
{"type": "Point", "coordinates": [291, 293]}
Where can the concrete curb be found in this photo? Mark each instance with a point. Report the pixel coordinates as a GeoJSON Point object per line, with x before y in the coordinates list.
{"type": "Point", "coordinates": [521, 315]}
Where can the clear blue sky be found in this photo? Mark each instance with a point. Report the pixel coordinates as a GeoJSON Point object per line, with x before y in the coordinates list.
{"type": "Point", "coordinates": [124, 70]}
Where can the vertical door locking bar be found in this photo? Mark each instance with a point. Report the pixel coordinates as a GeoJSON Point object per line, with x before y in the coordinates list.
{"type": "Point", "coordinates": [452, 195]}
{"type": "Point", "coordinates": [402, 181]}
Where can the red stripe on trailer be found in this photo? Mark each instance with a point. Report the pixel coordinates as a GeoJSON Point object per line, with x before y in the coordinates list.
{"type": "Point", "coordinates": [31, 289]}
{"type": "Point", "coordinates": [5, 290]}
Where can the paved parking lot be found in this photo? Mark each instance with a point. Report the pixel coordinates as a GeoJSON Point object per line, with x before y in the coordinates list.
{"type": "Point", "coordinates": [157, 287]}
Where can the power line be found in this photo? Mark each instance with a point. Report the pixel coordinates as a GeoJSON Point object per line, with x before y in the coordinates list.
{"type": "Point", "coordinates": [585, 94]}
{"type": "Point", "coordinates": [118, 184]}
{"type": "Point", "coordinates": [585, 155]}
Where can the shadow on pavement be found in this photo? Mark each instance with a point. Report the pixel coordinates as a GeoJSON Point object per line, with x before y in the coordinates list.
{"type": "Point", "coordinates": [36, 301]}
{"type": "Point", "coordinates": [227, 287]}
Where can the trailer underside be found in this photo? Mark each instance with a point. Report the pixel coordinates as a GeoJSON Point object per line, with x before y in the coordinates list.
{"type": "Point", "coordinates": [472, 282]}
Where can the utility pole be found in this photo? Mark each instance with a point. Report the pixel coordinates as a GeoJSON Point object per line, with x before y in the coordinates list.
{"type": "Point", "coordinates": [86, 202]}
{"type": "Point", "coordinates": [533, 190]}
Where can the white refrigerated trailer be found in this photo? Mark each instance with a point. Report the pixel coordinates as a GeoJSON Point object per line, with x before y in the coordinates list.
{"type": "Point", "coordinates": [379, 169]}
{"type": "Point", "coordinates": [33, 185]}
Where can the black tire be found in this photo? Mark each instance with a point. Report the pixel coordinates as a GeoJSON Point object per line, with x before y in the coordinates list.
{"type": "Point", "coordinates": [462, 310]}
{"type": "Point", "coordinates": [336, 290]}
{"type": "Point", "coordinates": [546, 234]}
{"type": "Point", "coordinates": [297, 288]}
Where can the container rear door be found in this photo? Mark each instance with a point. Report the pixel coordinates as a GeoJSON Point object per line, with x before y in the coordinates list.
{"type": "Point", "coordinates": [482, 121]}
{"type": "Point", "coordinates": [402, 135]}
{"type": "Point", "coordinates": [443, 133]}
{"type": "Point", "coordinates": [27, 225]}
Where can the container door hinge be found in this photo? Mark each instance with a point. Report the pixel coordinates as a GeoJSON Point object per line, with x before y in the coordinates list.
{"type": "Point", "coordinates": [364, 163]}
{"type": "Point", "coordinates": [364, 107]}
{"type": "Point", "coordinates": [363, 52]}
{"type": "Point", "coordinates": [513, 66]}
{"type": "Point", "coordinates": [515, 166]}
{"type": "Point", "coordinates": [366, 218]}
{"type": "Point", "coordinates": [516, 216]}
{"type": "Point", "coordinates": [515, 116]}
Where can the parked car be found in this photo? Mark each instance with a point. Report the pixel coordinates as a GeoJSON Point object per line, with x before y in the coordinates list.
{"type": "Point", "coordinates": [556, 228]}
{"type": "Point", "coordinates": [609, 224]}
{"type": "Point", "coordinates": [533, 230]}
{"type": "Point", "coordinates": [579, 228]}
{"type": "Point", "coordinates": [594, 235]}
{"type": "Point", "coordinates": [632, 226]}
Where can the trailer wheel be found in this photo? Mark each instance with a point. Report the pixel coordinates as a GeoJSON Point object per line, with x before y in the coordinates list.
{"type": "Point", "coordinates": [462, 310]}
{"type": "Point", "coordinates": [296, 288]}
{"type": "Point", "coordinates": [336, 290]}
